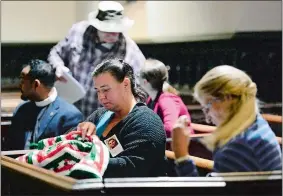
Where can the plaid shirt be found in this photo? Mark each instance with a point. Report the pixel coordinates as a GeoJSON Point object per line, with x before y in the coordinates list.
{"type": "Point", "coordinates": [81, 52]}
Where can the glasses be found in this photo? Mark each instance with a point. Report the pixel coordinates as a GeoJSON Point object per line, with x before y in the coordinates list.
{"type": "Point", "coordinates": [206, 107]}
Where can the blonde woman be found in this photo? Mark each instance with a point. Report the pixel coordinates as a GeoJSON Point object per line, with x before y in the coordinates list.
{"type": "Point", "coordinates": [243, 140]}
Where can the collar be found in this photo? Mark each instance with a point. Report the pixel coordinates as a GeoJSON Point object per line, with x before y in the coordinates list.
{"type": "Point", "coordinates": [108, 45]}
{"type": "Point", "coordinates": [51, 97]}
{"type": "Point", "coordinates": [158, 95]}
{"type": "Point", "coordinates": [151, 103]}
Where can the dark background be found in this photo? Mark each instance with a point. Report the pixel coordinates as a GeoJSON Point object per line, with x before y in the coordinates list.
{"type": "Point", "coordinates": [257, 53]}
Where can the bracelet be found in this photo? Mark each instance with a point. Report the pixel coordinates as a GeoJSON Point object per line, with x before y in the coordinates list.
{"type": "Point", "coordinates": [181, 159]}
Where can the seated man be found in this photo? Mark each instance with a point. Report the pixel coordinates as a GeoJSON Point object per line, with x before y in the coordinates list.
{"type": "Point", "coordinates": [44, 114]}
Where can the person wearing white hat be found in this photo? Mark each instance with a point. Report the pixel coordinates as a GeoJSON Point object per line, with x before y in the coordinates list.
{"type": "Point", "coordinates": [90, 42]}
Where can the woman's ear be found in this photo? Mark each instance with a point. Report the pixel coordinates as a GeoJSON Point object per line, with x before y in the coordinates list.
{"type": "Point", "coordinates": [127, 82]}
{"type": "Point", "coordinates": [145, 81]}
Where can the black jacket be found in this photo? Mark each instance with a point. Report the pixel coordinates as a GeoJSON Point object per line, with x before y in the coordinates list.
{"type": "Point", "coordinates": [142, 136]}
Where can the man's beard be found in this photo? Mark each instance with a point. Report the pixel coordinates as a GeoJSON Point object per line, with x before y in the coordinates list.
{"type": "Point", "coordinates": [24, 98]}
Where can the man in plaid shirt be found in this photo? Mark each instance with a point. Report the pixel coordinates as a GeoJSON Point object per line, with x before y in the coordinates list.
{"type": "Point", "coordinates": [90, 42]}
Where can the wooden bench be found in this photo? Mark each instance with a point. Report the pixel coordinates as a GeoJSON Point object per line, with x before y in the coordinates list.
{"type": "Point", "coordinates": [25, 179]}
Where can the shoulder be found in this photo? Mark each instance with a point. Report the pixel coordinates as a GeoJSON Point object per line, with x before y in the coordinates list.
{"type": "Point", "coordinates": [145, 119]}
{"type": "Point", "coordinates": [25, 105]}
{"type": "Point", "coordinates": [166, 95]}
{"type": "Point", "coordinates": [169, 98]}
{"type": "Point", "coordinates": [77, 30]}
{"type": "Point", "coordinates": [67, 107]}
{"type": "Point", "coordinates": [132, 50]}
{"type": "Point", "coordinates": [258, 135]}
{"type": "Point", "coordinates": [95, 116]}
{"type": "Point", "coordinates": [259, 131]}
{"type": "Point", "coordinates": [130, 42]}
{"type": "Point", "coordinates": [143, 124]}
{"type": "Point", "coordinates": [80, 26]}
{"type": "Point", "coordinates": [142, 110]}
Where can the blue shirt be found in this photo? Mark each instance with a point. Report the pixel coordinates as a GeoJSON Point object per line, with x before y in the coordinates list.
{"type": "Point", "coordinates": [255, 149]}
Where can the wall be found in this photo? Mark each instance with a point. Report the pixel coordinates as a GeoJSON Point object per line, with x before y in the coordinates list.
{"type": "Point", "coordinates": [173, 21]}
{"type": "Point", "coordinates": [260, 16]}
{"type": "Point", "coordinates": [36, 21]}
{"type": "Point", "coordinates": [137, 11]}
{"type": "Point", "coordinates": [155, 21]}
{"type": "Point", "coordinates": [83, 8]}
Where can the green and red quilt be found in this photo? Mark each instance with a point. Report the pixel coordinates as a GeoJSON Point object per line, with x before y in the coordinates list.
{"type": "Point", "coordinates": [70, 155]}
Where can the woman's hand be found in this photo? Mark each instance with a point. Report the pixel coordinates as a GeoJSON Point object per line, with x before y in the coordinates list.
{"type": "Point", "coordinates": [87, 128]}
{"type": "Point", "coordinates": [181, 137]}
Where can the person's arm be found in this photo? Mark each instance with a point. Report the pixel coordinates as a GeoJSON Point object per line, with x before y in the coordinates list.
{"type": "Point", "coordinates": [70, 121]}
{"type": "Point", "coordinates": [59, 52]}
{"type": "Point", "coordinates": [15, 131]}
{"type": "Point", "coordinates": [180, 143]}
{"type": "Point", "coordinates": [186, 167]}
{"type": "Point", "coordinates": [58, 55]}
{"type": "Point", "coordinates": [170, 112]}
{"type": "Point", "coordinates": [144, 143]}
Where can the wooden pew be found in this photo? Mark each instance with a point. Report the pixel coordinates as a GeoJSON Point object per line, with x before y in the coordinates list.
{"type": "Point", "coordinates": [209, 129]}
{"type": "Point", "coordinates": [24, 179]}
{"type": "Point", "coordinates": [4, 129]}
{"type": "Point", "coordinates": [206, 129]}
{"type": "Point", "coordinates": [272, 118]}
{"type": "Point", "coordinates": [200, 162]}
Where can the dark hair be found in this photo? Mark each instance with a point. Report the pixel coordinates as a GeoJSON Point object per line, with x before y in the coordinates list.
{"type": "Point", "coordinates": [155, 72]}
{"type": "Point", "coordinates": [112, 139]}
{"type": "Point", "coordinates": [42, 71]}
{"type": "Point", "coordinates": [119, 70]}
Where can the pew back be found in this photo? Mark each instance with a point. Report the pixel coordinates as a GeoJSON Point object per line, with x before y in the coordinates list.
{"type": "Point", "coordinates": [25, 179]}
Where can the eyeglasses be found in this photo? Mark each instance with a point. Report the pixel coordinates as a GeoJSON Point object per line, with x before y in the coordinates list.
{"type": "Point", "coordinates": [206, 107]}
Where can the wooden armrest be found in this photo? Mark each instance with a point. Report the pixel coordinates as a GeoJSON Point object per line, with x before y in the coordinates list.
{"type": "Point", "coordinates": [206, 129]}
{"type": "Point", "coordinates": [260, 173]}
{"type": "Point", "coordinates": [279, 139]}
{"type": "Point", "coordinates": [272, 118]}
{"type": "Point", "coordinates": [198, 135]}
{"type": "Point", "coordinates": [203, 128]}
{"type": "Point", "coordinates": [47, 176]}
{"type": "Point", "coordinates": [200, 162]}
{"type": "Point", "coordinates": [15, 152]}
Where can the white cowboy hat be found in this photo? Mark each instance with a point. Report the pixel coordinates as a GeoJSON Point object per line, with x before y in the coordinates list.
{"type": "Point", "coordinates": [109, 17]}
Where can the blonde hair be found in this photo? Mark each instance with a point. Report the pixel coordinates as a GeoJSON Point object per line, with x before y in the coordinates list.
{"type": "Point", "coordinates": [170, 89]}
{"type": "Point", "coordinates": [156, 73]}
{"type": "Point", "coordinates": [224, 81]}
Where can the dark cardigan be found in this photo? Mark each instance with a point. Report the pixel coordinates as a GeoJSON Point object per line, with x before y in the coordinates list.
{"type": "Point", "coordinates": [143, 139]}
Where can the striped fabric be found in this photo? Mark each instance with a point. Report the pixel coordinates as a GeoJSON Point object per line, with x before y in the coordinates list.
{"type": "Point", "coordinates": [69, 155]}
{"type": "Point", "coordinates": [256, 149]}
